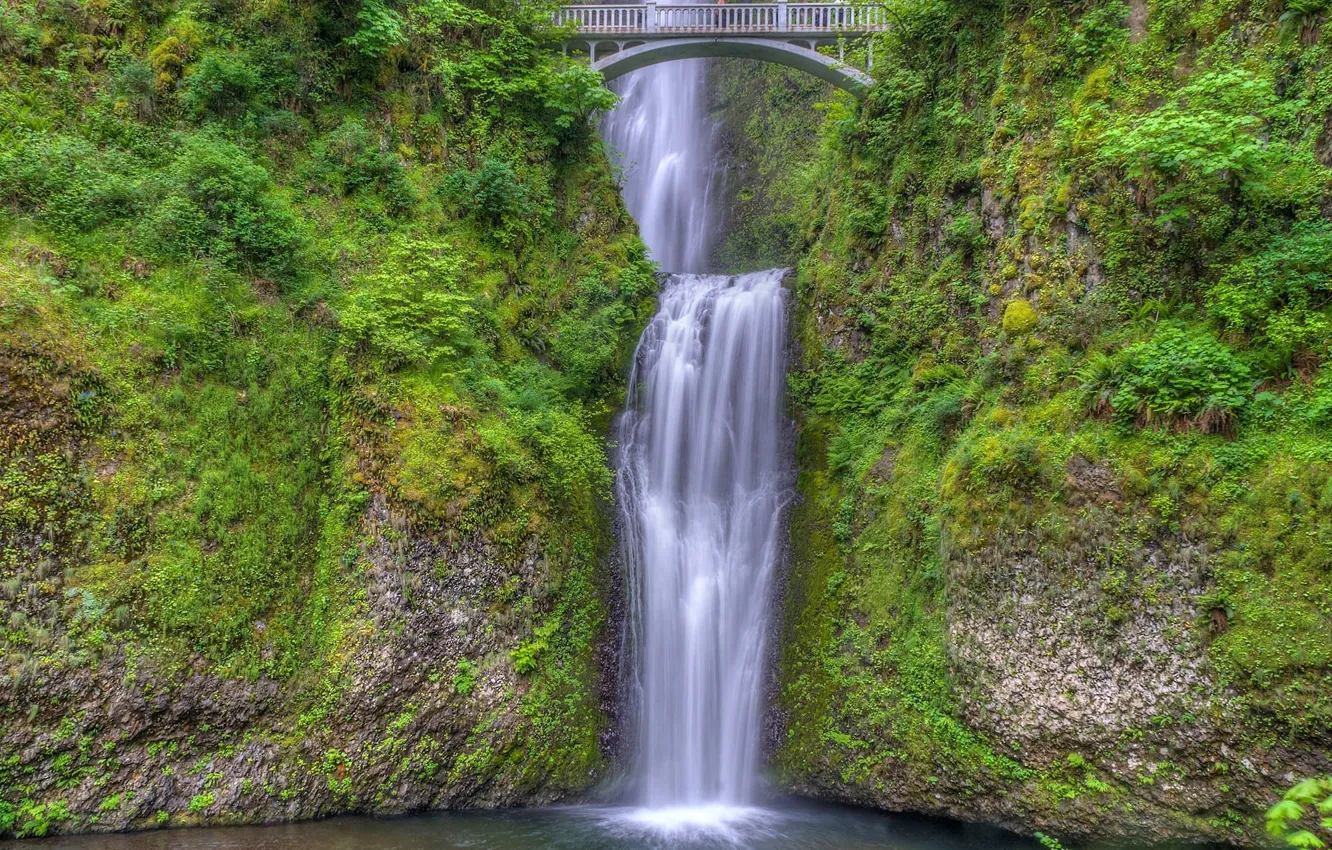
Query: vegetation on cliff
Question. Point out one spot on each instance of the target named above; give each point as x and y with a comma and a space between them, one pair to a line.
1064, 553
309, 312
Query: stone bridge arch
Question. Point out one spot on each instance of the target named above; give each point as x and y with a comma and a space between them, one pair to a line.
633, 55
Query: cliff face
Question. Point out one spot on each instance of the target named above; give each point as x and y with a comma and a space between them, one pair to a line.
311, 323
1061, 553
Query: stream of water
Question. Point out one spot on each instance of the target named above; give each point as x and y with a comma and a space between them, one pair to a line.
702, 483
702, 476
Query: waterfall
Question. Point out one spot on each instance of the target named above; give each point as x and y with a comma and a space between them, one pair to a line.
702, 484
702, 475
665, 144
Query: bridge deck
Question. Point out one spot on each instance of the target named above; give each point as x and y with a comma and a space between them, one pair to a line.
780, 19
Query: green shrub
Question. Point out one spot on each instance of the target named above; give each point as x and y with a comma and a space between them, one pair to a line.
350, 160
134, 82
218, 202
223, 84
589, 337
72, 185
1207, 139
1010, 458
1182, 375
1283, 293
413, 308
379, 30
570, 96
493, 197
1303, 814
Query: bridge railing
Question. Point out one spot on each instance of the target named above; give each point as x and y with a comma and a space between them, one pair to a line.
725, 18
605, 18
746, 17
835, 16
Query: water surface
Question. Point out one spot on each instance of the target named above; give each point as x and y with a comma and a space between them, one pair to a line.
792, 825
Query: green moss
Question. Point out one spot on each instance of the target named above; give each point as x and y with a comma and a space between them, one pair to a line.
1046, 167
1019, 317
255, 332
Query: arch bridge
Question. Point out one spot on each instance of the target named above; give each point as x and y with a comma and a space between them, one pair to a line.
624, 38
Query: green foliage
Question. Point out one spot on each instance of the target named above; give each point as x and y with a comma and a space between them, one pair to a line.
529, 652
494, 198
72, 184
1049, 842
590, 336
413, 308
464, 681
1152, 181
571, 96
218, 202
222, 84
1302, 810
1182, 375
350, 159
1282, 295
380, 30
235, 308
1207, 129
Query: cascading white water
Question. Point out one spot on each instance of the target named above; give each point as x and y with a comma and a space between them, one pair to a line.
702, 484
665, 144
702, 477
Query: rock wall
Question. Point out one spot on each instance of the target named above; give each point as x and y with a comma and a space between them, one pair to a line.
309, 344
1027, 587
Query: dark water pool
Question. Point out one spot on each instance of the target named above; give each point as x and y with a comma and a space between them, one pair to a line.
794, 825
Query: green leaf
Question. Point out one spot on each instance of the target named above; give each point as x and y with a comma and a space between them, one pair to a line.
1307, 791
1304, 838
1282, 813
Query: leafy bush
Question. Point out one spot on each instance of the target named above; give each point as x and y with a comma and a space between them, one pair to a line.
1182, 376
223, 84
1283, 293
220, 203
413, 309
573, 94
1013, 459
134, 83
350, 160
494, 197
464, 681
72, 185
379, 30
173, 53
1207, 138
1303, 809
589, 337
1302, 18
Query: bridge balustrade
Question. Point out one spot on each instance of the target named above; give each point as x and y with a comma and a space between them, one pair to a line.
780, 17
